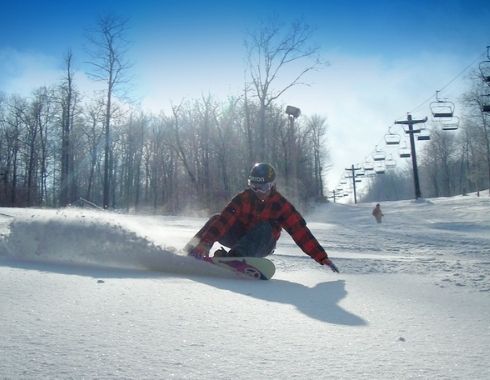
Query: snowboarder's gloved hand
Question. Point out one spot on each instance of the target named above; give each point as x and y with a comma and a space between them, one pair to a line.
327, 261
200, 250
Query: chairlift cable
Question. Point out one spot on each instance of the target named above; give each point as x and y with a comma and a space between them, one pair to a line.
449, 83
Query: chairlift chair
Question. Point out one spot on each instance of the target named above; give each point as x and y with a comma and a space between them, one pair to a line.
392, 139
441, 108
485, 103
447, 123
379, 155
404, 152
424, 135
368, 166
485, 71
485, 68
390, 163
451, 125
379, 168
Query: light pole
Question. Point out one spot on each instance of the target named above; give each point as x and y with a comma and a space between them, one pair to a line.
293, 113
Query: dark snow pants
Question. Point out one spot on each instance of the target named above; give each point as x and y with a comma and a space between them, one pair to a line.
255, 242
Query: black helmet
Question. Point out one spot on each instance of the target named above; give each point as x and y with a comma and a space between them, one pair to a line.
261, 173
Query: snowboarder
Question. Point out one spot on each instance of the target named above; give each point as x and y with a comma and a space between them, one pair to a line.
377, 213
251, 223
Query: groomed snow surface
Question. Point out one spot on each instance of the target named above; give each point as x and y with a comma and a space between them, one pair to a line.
93, 294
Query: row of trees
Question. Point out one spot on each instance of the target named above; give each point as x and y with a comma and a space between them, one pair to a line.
450, 163
58, 146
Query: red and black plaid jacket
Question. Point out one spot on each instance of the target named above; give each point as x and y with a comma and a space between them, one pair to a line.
246, 208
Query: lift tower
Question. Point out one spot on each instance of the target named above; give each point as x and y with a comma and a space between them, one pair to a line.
410, 122
353, 169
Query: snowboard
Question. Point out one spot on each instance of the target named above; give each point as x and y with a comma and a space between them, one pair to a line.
257, 268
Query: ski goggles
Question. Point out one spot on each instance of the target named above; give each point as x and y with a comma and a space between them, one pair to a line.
261, 187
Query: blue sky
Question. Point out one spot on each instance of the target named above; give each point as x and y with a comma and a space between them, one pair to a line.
386, 57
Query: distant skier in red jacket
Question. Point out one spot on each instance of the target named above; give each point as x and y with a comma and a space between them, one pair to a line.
251, 223
377, 213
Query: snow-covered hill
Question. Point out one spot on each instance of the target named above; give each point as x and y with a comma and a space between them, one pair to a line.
92, 294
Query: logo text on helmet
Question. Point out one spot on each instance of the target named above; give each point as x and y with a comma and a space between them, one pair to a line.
257, 179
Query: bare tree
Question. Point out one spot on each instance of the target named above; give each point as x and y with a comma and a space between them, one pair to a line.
43, 116
13, 125
438, 157
179, 144
270, 51
317, 129
67, 104
109, 64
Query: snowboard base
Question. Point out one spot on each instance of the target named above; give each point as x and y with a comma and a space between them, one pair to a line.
257, 268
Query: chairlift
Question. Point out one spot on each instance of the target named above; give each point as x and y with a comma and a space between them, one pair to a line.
485, 68
485, 103
358, 180
380, 170
404, 152
368, 166
379, 155
441, 108
424, 135
392, 138
485, 71
451, 125
446, 123
390, 163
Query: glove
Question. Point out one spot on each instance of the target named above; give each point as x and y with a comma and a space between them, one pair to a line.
327, 261
201, 250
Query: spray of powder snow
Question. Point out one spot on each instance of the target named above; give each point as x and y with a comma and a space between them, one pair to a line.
93, 238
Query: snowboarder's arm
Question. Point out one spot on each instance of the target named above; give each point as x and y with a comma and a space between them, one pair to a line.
295, 225
224, 222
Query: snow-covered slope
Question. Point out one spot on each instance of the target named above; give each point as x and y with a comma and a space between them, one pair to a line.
90, 294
